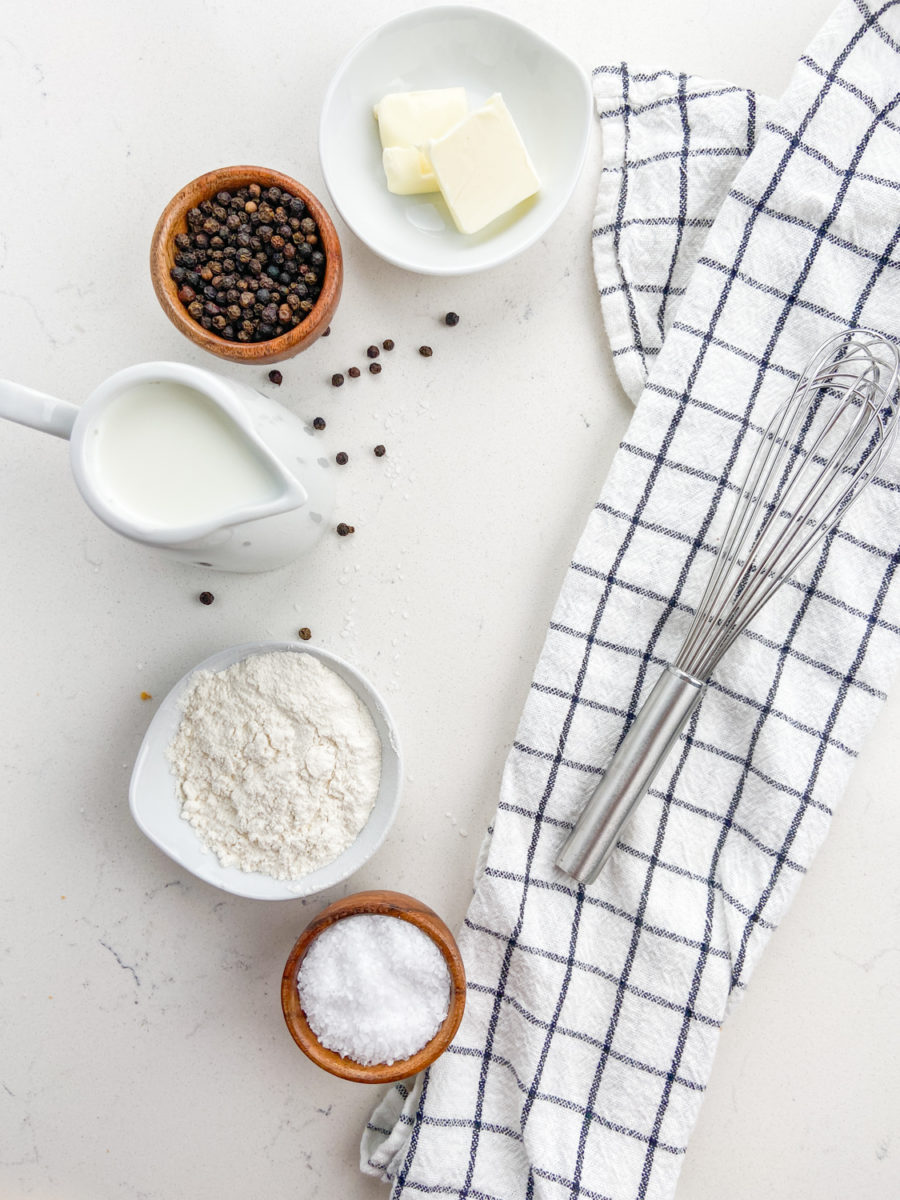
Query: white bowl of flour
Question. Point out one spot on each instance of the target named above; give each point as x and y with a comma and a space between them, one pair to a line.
269, 771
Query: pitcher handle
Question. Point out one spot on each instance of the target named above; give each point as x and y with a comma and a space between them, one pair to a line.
36, 409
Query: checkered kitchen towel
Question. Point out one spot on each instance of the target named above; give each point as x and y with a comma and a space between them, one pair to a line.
593, 1013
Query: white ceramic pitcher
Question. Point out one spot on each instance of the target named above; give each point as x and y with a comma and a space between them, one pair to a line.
249, 537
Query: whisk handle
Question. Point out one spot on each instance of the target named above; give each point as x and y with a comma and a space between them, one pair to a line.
634, 765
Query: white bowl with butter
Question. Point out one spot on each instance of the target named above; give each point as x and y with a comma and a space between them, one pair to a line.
546, 94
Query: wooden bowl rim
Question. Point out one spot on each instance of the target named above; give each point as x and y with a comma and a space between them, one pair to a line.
174, 215
387, 903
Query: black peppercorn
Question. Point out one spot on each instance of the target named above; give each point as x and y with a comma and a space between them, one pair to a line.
206, 597
388, 343
372, 351
379, 451
343, 529
451, 318
304, 633
375, 368
319, 423
353, 372
236, 242
341, 458
276, 377
337, 379
426, 351
327, 332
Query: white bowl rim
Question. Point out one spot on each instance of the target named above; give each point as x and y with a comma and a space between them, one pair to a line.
248, 883
553, 213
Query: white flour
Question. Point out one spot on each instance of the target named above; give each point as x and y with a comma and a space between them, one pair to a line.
278, 763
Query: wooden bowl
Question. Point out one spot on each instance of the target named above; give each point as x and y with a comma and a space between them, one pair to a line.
393, 904
162, 259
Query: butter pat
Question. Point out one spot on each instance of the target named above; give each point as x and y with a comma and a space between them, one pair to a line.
406, 121
413, 118
482, 166
407, 170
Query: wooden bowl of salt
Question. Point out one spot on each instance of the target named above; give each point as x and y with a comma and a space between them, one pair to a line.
371, 1001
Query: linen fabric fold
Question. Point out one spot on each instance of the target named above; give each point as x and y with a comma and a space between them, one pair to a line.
732, 236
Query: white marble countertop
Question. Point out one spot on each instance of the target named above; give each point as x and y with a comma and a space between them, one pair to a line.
143, 1050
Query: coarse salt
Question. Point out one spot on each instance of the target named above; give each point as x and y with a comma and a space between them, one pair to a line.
374, 988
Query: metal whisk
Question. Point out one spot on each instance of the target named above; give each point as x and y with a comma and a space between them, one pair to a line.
822, 447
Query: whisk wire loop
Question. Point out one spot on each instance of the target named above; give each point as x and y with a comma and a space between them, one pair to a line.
813, 459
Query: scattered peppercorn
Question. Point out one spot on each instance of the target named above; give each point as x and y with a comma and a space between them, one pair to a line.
304, 633
372, 352
451, 318
327, 332
379, 451
319, 423
375, 368
250, 251
343, 529
337, 379
426, 351
353, 372
341, 458
276, 377
206, 597
388, 343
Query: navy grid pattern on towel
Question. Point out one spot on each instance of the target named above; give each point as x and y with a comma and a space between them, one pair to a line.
672, 145
593, 1013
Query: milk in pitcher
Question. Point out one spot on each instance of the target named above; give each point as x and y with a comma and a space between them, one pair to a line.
169, 456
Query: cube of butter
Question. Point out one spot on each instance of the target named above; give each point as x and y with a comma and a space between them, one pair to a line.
412, 118
482, 166
406, 120
407, 170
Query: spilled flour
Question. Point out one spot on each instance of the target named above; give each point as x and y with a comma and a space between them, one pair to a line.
278, 763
